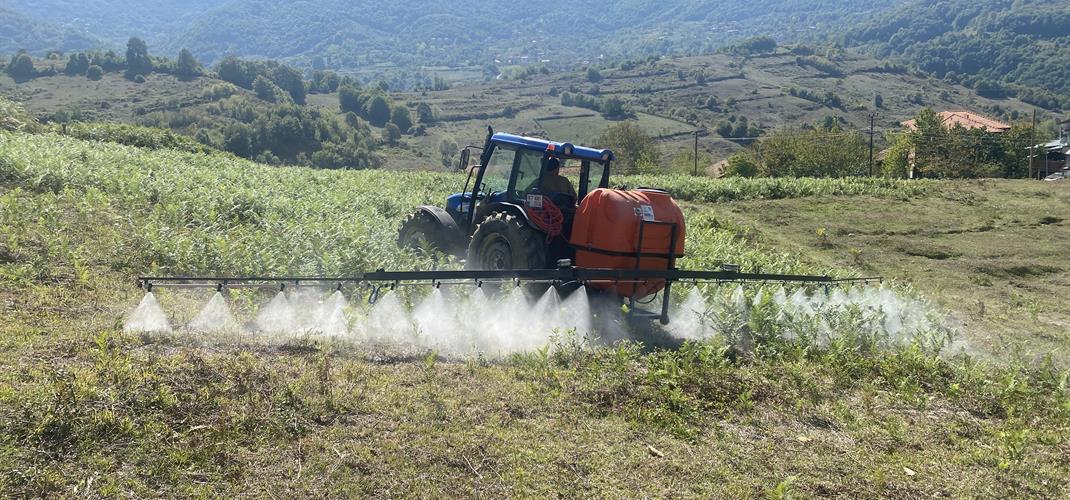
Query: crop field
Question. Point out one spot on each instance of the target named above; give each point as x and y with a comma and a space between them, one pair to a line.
89, 409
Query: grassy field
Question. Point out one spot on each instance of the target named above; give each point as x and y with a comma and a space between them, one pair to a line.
86, 409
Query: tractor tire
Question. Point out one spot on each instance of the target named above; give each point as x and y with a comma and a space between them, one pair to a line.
422, 234
505, 242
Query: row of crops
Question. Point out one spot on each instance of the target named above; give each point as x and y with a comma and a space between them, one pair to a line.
175, 212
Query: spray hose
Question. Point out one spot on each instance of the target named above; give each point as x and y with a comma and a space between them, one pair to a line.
548, 218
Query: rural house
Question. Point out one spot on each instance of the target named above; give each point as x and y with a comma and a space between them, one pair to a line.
965, 119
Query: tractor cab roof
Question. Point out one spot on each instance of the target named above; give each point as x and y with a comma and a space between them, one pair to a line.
557, 149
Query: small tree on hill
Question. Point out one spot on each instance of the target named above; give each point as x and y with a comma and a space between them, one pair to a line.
290, 80
94, 73
138, 61
77, 64
632, 146
21, 68
401, 117
593, 75
377, 111
187, 66
741, 165
391, 134
425, 113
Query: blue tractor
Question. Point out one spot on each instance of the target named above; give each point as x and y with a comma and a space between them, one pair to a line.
490, 223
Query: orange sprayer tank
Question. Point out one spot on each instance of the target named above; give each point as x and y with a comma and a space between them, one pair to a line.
607, 229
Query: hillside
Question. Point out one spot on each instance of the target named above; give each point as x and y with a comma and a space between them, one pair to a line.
670, 98
88, 408
999, 47
354, 34
18, 31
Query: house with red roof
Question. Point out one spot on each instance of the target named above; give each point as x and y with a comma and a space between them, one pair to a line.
966, 120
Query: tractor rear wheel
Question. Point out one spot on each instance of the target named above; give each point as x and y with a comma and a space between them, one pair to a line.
421, 233
505, 242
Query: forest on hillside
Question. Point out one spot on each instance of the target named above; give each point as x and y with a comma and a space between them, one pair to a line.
1000, 48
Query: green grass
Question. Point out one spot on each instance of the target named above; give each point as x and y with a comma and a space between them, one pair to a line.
88, 410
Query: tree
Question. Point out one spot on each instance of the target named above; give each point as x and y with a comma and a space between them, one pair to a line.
631, 145
238, 140
391, 134
138, 61
349, 99
21, 68
377, 111
878, 101
94, 73
290, 80
448, 149
401, 117
897, 158
613, 108
77, 64
187, 66
741, 165
266, 90
425, 113
593, 75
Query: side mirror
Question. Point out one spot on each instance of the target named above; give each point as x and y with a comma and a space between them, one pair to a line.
463, 162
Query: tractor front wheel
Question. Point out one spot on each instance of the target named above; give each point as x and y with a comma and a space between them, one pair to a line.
505, 242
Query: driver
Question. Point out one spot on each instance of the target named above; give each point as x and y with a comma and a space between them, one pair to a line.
554, 182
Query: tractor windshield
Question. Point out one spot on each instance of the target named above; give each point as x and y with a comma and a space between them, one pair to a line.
498, 170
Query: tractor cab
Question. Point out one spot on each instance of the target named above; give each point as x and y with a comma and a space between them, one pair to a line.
518, 205
513, 171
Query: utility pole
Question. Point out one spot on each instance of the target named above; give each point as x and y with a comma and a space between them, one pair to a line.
872, 123
695, 173
1033, 143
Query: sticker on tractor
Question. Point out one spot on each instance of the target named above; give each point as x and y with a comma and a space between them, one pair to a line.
535, 200
648, 213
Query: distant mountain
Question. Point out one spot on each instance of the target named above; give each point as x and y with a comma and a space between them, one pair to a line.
354, 33
999, 47
18, 31
351, 34
117, 20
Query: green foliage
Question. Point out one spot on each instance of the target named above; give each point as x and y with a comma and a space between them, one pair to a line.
94, 73
630, 144
447, 149
897, 159
377, 110
741, 165
812, 153
752, 46
21, 68
77, 64
401, 117
138, 61
391, 134
708, 190
425, 113
13, 117
999, 48
186, 66
244, 74
132, 135
266, 90
593, 75
958, 152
